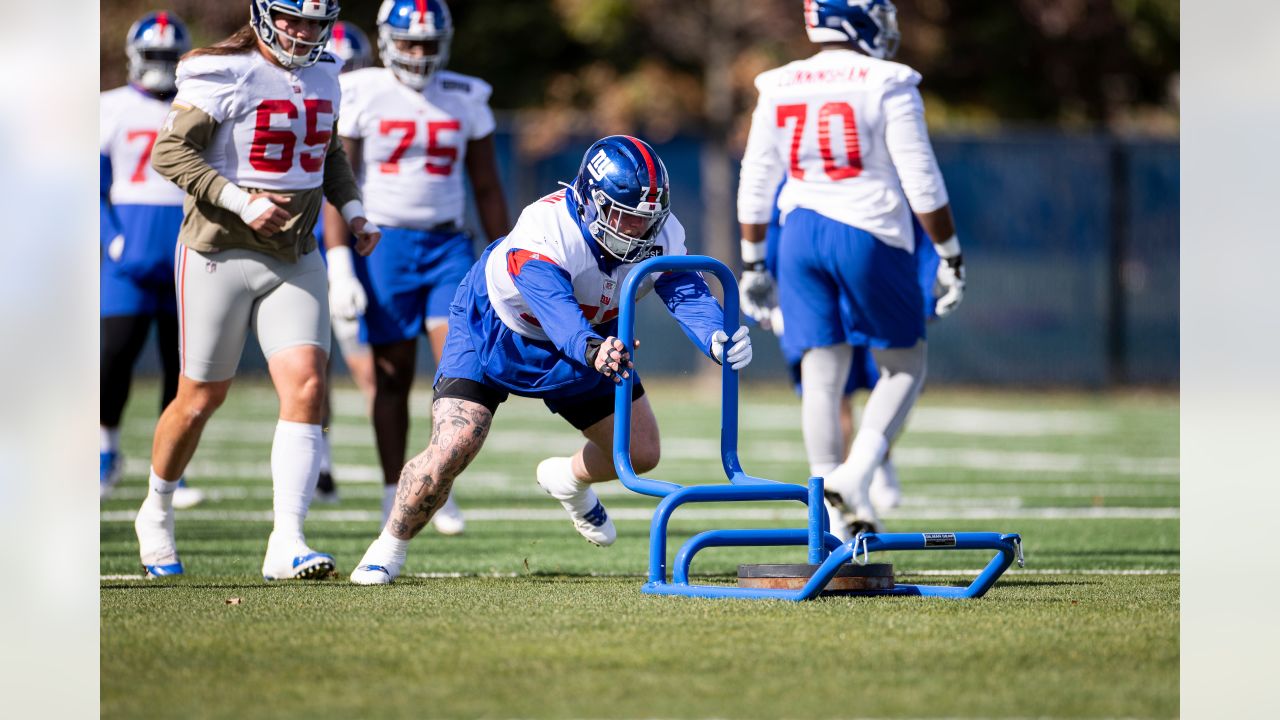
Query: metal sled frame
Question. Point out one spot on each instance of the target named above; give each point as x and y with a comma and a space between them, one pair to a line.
825, 549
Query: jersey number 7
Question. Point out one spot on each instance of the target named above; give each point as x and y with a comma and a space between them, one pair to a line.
826, 114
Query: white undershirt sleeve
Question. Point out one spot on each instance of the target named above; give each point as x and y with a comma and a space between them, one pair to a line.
907, 138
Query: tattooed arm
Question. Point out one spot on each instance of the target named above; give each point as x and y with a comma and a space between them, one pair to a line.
458, 431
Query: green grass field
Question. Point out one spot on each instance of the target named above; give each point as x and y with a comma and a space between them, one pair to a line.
519, 617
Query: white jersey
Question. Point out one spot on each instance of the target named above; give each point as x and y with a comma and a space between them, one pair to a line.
546, 231
414, 143
128, 123
274, 124
847, 132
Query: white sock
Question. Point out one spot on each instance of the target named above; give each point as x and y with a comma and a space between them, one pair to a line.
823, 372
388, 551
562, 481
295, 469
388, 501
326, 457
868, 451
108, 439
159, 493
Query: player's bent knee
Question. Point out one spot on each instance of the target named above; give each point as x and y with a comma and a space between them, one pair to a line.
645, 455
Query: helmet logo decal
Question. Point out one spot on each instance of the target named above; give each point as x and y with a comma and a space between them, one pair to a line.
599, 165
313, 7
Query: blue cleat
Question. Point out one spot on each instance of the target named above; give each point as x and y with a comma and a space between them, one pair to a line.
110, 468
302, 563
156, 571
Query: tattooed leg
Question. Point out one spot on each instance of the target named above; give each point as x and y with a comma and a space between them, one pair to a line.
458, 430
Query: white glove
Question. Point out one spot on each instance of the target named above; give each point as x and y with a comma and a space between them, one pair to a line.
115, 248
757, 296
739, 349
949, 287
756, 290
347, 300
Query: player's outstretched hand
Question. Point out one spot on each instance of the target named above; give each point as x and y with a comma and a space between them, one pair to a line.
949, 287
739, 347
757, 295
266, 213
610, 358
367, 235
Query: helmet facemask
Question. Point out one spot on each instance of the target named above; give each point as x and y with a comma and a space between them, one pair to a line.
411, 68
154, 70
622, 231
301, 53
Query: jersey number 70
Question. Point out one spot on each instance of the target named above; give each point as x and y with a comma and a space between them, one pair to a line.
826, 114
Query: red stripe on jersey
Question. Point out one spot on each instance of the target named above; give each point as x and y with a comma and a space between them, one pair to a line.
554, 197
650, 166
530, 319
517, 258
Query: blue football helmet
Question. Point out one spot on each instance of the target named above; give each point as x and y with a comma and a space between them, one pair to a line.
154, 45
870, 24
303, 53
623, 195
417, 21
351, 44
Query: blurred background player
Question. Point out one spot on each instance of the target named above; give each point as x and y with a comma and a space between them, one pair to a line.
140, 216
349, 43
846, 127
255, 110
886, 490
411, 128
537, 316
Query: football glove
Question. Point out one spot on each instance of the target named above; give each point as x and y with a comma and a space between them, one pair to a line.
949, 287
347, 299
757, 293
739, 355
609, 357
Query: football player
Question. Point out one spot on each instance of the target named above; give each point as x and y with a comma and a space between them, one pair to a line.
416, 134
255, 110
537, 316
348, 43
886, 490
140, 215
846, 127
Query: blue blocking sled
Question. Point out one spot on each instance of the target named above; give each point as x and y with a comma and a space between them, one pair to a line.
825, 550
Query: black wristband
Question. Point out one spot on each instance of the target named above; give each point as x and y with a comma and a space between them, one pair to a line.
954, 262
593, 349
757, 266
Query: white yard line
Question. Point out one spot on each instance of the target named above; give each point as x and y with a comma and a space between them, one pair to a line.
644, 514
912, 573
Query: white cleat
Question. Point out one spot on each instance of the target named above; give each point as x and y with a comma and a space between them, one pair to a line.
885, 492
589, 516
836, 522
377, 567
448, 519
373, 574
187, 497
850, 503
296, 561
157, 549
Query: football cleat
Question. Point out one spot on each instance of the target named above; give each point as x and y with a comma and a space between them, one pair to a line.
157, 549
156, 571
374, 575
186, 497
835, 519
588, 514
448, 519
110, 468
296, 562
